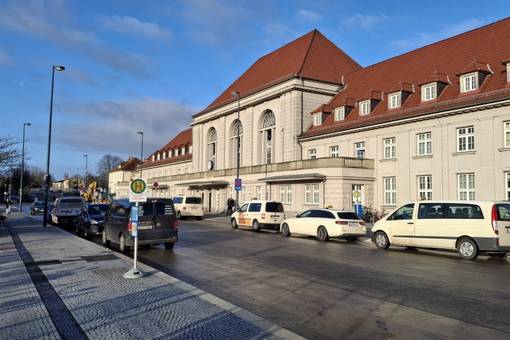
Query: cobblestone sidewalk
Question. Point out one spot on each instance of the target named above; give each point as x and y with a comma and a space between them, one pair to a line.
56, 285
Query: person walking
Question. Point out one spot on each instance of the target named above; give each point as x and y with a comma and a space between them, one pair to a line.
8, 207
230, 206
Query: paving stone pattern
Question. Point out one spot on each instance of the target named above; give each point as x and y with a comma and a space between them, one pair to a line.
88, 279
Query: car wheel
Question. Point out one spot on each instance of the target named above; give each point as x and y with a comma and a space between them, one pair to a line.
178, 215
256, 226
169, 245
285, 230
122, 244
233, 223
105, 240
381, 240
322, 234
467, 249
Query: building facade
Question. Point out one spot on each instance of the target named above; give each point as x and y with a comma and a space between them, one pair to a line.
314, 127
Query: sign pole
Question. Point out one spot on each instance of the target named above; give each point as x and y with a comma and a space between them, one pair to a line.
137, 194
135, 257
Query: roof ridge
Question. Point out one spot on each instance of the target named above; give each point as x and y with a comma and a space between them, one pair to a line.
307, 51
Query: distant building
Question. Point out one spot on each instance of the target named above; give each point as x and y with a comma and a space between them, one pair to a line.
120, 177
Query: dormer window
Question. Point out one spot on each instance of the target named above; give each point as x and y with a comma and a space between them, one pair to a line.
507, 71
317, 119
364, 108
394, 100
339, 113
468, 82
429, 92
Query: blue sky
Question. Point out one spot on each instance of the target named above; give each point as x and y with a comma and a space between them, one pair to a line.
149, 65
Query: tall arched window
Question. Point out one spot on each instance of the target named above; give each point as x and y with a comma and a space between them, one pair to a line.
267, 131
212, 139
236, 141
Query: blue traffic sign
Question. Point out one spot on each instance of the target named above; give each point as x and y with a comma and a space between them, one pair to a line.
238, 184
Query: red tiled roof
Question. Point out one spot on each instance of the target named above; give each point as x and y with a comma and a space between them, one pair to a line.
441, 61
183, 138
311, 56
129, 165
182, 158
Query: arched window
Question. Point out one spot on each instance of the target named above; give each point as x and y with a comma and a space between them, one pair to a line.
236, 141
267, 132
212, 139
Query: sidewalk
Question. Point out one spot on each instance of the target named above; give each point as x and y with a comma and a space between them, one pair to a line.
56, 285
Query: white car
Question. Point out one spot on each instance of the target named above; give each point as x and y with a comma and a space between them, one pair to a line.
259, 215
188, 206
325, 223
468, 227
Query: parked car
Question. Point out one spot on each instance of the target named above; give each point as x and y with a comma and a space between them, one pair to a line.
259, 215
157, 224
187, 206
37, 208
91, 220
66, 210
324, 224
468, 227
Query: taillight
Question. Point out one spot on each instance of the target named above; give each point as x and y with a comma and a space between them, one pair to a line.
361, 223
342, 222
176, 224
130, 226
494, 218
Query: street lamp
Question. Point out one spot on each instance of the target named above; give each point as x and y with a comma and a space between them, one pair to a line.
238, 161
86, 170
54, 68
141, 153
22, 169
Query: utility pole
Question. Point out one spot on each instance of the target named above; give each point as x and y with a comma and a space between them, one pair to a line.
22, 169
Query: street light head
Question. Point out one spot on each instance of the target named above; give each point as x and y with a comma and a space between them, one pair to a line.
59, 67
234, 94
28, 124
140, 132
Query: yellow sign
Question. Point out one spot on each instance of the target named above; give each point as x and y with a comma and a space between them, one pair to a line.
138, 186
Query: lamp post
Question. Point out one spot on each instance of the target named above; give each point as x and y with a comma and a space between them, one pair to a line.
22, 169
47, 184
86, 170
141, 153
238, 160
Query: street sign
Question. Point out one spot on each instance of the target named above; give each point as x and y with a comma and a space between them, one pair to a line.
238, 184
134, 221
138, 191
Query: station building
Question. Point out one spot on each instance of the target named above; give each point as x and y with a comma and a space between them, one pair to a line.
314, 127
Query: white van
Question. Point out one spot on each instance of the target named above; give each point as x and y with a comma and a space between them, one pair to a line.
259, 215
188, 206
468, 227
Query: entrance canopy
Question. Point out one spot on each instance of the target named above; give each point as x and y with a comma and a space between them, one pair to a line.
311, 177
205, 185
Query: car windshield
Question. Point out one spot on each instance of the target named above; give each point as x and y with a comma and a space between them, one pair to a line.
39, 204
348, 216
274, 207
177, 200
71, 202
193, 200
98, 210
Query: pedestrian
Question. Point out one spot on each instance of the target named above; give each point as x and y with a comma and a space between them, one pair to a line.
8, 206
230, 206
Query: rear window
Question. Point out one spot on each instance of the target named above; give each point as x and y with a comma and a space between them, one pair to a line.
503, 211
347, 216
98, 210
464, 211
193, 200
156, 208
274, 207
177, 200
255, 207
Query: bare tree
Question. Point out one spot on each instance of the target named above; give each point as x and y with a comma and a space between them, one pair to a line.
8, 152
106, 164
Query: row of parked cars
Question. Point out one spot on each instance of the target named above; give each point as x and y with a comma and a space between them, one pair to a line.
469, 228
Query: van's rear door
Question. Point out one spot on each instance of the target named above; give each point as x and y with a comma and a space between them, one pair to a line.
194, 204
275, 212
502, 220
156, 219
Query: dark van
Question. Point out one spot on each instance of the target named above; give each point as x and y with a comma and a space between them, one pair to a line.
157, 224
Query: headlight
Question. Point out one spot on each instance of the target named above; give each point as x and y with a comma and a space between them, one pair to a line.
94, 222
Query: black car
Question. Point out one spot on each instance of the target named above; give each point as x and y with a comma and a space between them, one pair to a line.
37, 208
91, 220
157, 224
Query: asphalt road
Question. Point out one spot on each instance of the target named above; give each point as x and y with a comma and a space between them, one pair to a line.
342, 290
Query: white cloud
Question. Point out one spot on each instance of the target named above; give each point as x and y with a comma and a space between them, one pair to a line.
309, 15
422, 39
52, 21
133, 26
365, 21
111, 126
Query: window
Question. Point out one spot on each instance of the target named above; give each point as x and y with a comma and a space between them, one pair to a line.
394, 100
506, 133
359, 149
236, 142
274, 207
244, 208
466, 187
403, 213
268, 128
428, 92
424, 143
507, 185
312, 153
317, 119
390, 190
312, 194
389, 145
364, 107
334, 151
429, 211
357, 194
347, 215
286, 194
257, 192
307, 213
255, 207
469, 82
340, 113
465, 138
211, 146
322, 214
193, 200
425, 188
464, 211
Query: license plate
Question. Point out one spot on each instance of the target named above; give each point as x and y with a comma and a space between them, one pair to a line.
145, 227
353, 224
